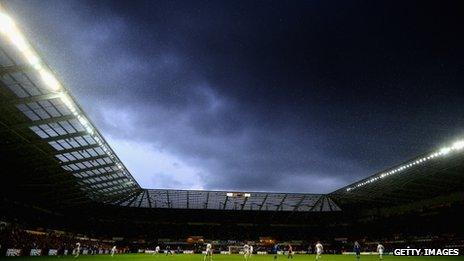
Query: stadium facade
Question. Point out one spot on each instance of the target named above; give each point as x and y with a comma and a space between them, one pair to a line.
58, 172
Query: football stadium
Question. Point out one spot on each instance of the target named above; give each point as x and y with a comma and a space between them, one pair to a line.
66, 194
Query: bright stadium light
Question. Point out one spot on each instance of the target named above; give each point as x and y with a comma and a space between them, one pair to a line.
69, 103
247, 195
445, 151
11, 32
229, 194
89, 130
83, 120
457, 146
6, 23
18, 40
49, 80
33, 59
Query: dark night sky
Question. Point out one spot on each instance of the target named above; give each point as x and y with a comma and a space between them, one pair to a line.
303, 96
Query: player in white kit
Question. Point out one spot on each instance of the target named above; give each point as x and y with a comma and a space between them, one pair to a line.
157, 250
209, 252
251, 250
319, 249
78, 249
246, 251
113, 250
380, 250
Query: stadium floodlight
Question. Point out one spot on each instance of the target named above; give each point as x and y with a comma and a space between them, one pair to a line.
445, 151
32, 59
89, 129
83, 120
247, 195
9, 29
11, 32
230, 194
87, 126
18, 40
69, 103
6, 23
49, 79
457, 146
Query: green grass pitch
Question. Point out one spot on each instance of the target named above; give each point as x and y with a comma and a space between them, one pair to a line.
187, 257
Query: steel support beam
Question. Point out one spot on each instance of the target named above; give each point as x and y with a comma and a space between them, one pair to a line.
44, 121
101, 175
244, 203
134, 198
282, 202
299, 203
315, 204
123, 199
95, 168
141, 198
167, 197
264, 201
66, 163
66, 136
36, 98
83, 148
10, 69
106, 181
149, 199
207, 200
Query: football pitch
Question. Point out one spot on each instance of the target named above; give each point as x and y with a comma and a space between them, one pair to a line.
197, 257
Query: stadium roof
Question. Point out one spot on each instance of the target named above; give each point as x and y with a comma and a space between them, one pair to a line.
221, 200
35, 100
47, 134
430, 175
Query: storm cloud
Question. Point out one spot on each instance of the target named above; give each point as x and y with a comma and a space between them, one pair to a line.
305, 96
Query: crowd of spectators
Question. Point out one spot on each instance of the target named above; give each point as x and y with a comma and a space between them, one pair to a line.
14, 237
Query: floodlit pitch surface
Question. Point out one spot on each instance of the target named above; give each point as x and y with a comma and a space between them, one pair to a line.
186, 257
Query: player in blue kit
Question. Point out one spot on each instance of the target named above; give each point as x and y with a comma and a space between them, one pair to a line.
275, 249
357, 250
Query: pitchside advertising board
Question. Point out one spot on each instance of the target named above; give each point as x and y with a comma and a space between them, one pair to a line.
35, 252
52, 252
13, 252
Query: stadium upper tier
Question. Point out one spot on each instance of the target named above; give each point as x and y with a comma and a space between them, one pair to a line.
54, 148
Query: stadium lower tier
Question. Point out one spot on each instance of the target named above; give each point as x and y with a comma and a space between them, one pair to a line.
16, 241
435, 223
